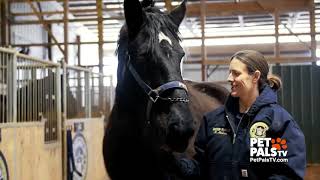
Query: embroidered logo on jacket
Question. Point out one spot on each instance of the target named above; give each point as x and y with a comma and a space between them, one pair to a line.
222, 131
258, 130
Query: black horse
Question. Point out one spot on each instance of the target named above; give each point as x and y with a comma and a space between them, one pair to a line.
155, 113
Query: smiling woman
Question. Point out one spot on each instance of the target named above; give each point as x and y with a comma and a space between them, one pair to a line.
249, 70
251, 114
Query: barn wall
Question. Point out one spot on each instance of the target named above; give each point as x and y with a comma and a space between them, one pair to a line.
300, 95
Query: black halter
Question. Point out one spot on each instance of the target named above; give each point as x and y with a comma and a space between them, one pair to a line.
155, 94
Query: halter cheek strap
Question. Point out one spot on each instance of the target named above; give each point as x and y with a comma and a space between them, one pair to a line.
155, 94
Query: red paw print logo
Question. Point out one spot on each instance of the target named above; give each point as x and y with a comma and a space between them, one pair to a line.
279, 144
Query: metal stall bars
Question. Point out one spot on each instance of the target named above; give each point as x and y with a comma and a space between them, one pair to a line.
109, 95
106, 94
38, 93
76, 92
7, 85
30, 91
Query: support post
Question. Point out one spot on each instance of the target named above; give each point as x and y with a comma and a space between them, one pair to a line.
79, 50
66, 31
49, 48
313, 33
168, 5
100, 44
63, 121
203, 47
4, 30
276, 32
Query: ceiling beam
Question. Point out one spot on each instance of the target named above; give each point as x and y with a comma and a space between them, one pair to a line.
57, 21
248, 35
14, 1
45, 25
221, 50
245, 8
234, 9
74, 11
55, 44
271, 60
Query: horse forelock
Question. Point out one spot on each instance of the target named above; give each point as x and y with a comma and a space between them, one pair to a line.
154, 23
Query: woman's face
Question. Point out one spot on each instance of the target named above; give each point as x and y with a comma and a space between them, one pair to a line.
242, 83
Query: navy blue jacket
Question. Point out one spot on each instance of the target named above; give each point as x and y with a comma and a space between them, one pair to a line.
224, 145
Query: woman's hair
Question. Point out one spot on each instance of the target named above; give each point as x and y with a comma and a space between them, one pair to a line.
256, 61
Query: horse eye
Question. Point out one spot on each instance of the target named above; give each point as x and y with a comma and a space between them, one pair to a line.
165, 43
163, 37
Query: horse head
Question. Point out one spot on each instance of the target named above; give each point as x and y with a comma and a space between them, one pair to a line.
150, 55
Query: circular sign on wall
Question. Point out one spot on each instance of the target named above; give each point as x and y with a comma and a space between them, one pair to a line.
80, 154
4, 173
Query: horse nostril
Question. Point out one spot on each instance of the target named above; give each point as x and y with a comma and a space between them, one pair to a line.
179, 135
181, 129
190, 131
174, 128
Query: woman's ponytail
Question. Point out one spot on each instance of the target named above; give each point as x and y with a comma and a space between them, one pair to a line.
274, 82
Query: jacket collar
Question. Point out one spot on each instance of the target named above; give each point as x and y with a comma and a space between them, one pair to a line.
267, 96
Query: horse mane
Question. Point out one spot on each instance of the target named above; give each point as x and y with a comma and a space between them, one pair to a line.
211, 89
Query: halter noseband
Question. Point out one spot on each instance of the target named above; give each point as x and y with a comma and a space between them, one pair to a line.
155, 94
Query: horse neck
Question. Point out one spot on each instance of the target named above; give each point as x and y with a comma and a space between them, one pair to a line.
130, 102
127, 87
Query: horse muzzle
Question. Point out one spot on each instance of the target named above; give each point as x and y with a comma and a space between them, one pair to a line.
179, 135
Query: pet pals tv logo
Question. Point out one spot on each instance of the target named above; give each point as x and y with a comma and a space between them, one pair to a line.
264, 149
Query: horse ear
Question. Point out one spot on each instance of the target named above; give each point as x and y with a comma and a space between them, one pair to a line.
134, 16
178, 13
147, 3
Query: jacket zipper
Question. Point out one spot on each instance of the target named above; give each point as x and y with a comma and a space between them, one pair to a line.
235, 132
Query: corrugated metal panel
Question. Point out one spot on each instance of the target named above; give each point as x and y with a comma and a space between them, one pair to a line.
305, 96
315, 95
300, 96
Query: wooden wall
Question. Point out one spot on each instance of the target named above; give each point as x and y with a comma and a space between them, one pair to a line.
93, 133
27, 156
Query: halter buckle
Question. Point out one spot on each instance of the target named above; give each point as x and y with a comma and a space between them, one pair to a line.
153, 96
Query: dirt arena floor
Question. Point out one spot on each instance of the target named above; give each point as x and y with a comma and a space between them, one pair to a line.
313, 172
